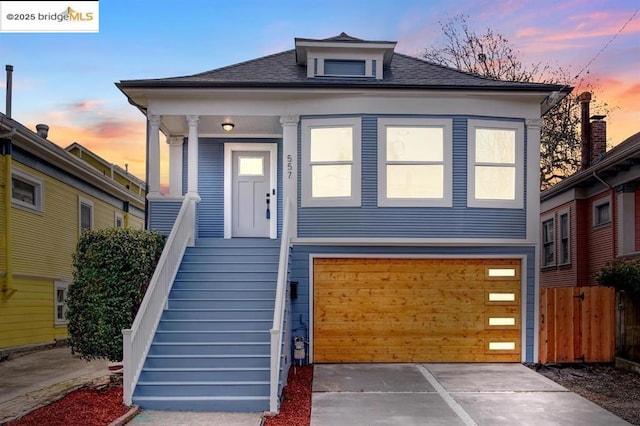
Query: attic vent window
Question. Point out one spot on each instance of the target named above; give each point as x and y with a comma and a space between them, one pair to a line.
343, 67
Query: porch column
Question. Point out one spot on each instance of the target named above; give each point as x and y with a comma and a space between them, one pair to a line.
175, 165
192, 155
290, 164
626, 214
154, 155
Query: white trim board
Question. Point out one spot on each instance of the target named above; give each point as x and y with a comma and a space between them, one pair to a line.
523, 289
273, 176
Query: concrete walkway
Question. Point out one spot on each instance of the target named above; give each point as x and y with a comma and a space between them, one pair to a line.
446, 394
37, 379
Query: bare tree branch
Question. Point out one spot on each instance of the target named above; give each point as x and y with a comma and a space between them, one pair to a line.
491, 55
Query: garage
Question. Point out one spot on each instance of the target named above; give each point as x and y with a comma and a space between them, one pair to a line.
416, 310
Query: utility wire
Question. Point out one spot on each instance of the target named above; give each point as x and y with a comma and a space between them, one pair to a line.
607, 44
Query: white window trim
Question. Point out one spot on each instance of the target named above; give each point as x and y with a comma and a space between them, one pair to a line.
518, 202
446, 200
39, 191
355, 199
88, 202
560, 214
56, 286
116, 216
594, 211
544, 219
318, 57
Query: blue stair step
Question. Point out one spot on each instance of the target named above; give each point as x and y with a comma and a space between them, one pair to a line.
221, 303
199, 348
213, 336
219, 374
239, 314
203, 388
211, 283
222, 293
202, 256
183, 325
208, 361
204, 266
246, 404
247, 275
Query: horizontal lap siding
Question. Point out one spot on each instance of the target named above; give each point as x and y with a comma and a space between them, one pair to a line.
300, 274
368, 220
162, 215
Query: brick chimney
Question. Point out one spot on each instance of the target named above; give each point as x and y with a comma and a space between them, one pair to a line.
598, 138
585, 130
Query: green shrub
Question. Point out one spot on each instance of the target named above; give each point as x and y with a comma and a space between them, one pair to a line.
623, 276
112, 269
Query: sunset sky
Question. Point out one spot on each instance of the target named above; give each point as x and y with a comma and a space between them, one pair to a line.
67, 80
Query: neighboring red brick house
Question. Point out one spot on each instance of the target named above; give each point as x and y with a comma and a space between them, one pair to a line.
592, 216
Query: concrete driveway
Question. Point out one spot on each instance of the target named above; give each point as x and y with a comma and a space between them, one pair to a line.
446, 394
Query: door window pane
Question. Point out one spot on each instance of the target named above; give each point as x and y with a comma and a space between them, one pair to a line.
250, 166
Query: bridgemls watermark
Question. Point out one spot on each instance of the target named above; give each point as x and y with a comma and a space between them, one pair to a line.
49, 17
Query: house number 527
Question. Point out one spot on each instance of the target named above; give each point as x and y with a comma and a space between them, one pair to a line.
289, 166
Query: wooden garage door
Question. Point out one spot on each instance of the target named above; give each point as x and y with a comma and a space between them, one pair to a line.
416, 310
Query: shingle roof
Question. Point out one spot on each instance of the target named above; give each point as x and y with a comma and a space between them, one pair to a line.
627, 150
281, 71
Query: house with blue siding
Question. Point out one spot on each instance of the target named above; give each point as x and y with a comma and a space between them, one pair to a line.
372, 206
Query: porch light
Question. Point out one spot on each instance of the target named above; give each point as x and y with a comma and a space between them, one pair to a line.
227, 127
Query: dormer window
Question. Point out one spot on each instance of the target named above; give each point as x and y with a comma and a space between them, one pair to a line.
344, 56
340, 67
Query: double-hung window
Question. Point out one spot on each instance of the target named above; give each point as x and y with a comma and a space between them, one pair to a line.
331, 162
548, 242
60, 299
602, 211
496, 164
85, 213
565, 240
26, 191
414, 162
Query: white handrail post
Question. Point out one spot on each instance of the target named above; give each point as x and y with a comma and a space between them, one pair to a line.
127, 374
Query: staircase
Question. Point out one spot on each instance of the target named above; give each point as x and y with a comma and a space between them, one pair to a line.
211, 351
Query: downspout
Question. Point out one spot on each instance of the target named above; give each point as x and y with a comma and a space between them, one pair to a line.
7, 285
614, 214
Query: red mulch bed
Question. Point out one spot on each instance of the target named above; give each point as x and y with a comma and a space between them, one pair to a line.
296, 401
86, 407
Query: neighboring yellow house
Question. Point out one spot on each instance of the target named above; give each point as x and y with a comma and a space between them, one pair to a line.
48, 197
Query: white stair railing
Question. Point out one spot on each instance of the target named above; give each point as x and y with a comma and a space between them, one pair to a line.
278, 312
137, 339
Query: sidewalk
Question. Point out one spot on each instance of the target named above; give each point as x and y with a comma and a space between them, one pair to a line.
34, 380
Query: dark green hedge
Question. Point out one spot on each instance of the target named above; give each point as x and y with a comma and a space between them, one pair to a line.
623, 276
112, 269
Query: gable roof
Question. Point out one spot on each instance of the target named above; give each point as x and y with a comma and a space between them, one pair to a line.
617, 159
280, 70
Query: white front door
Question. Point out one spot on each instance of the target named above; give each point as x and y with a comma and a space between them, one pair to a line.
253, 202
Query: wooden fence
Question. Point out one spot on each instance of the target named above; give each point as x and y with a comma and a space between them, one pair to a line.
577, 324
627, 329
